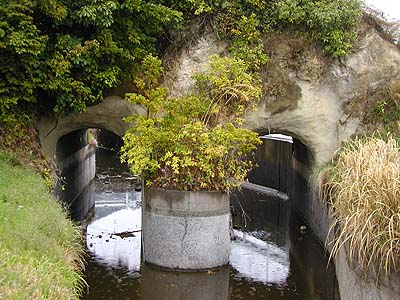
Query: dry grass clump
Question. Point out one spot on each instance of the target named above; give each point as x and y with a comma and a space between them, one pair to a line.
363, 187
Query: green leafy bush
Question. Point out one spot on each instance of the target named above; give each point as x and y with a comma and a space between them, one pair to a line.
62, 55
331, 22
193, 142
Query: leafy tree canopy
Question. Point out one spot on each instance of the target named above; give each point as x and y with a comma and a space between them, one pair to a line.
62, 54
65, 53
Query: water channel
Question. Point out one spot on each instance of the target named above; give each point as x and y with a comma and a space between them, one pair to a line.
273, 255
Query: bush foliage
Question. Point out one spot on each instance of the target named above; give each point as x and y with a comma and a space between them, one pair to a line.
193, 142
61, 55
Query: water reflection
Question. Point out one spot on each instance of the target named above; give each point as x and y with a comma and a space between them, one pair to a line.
270, 257
162, 285
259, 260
116, 237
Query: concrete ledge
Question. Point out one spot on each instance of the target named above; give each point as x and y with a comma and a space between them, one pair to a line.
186, 230
186, 201
356, 285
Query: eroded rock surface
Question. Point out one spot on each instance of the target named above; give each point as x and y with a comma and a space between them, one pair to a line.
304, 92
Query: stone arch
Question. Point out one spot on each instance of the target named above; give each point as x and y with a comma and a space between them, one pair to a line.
107, 115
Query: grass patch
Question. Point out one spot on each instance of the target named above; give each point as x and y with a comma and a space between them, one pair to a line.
40, 249
363, 187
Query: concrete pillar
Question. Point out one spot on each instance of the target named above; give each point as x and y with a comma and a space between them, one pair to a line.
161, 285
186, 230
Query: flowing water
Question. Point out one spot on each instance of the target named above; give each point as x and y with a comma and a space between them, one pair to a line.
273, 255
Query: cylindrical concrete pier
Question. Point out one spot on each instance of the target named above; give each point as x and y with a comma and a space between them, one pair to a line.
185, 230
161, 285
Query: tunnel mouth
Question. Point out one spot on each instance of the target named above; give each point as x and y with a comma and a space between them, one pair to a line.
76, 154
280, 159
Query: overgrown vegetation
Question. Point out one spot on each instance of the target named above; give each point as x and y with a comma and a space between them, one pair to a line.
40, 249
20, 140
61, 55
378, 109
385, 108
332, 23
193, 142
362, 185
388, 29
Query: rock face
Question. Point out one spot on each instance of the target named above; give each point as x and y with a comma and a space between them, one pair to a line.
312, 90
189, 61
305, 93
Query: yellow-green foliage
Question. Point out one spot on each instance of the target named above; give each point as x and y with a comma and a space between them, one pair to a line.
363, 187
39, 247
193, 142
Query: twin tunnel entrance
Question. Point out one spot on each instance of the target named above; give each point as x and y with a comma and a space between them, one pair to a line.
284, 164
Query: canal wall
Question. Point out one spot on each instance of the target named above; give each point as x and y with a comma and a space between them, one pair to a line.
75, 188
304, 195
354, 284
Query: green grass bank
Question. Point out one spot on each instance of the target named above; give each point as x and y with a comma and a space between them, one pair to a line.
40, 249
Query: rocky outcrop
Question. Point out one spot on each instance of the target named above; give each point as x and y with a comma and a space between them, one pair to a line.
305, 93
189, 61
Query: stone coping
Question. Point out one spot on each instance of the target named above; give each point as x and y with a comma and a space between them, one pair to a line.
192, 202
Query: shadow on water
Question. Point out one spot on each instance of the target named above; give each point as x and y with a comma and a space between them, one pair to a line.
272, 257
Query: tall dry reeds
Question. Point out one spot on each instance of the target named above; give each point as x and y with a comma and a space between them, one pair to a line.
363, 188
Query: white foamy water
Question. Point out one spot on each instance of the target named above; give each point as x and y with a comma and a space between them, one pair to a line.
259, 260
114, 250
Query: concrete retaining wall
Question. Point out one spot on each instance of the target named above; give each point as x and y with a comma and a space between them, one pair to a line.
75, 187
186, 230
356, 285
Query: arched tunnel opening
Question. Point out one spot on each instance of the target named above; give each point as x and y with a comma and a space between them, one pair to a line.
277, 205
284, 164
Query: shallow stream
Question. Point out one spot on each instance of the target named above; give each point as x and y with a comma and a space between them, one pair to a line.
274, 255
